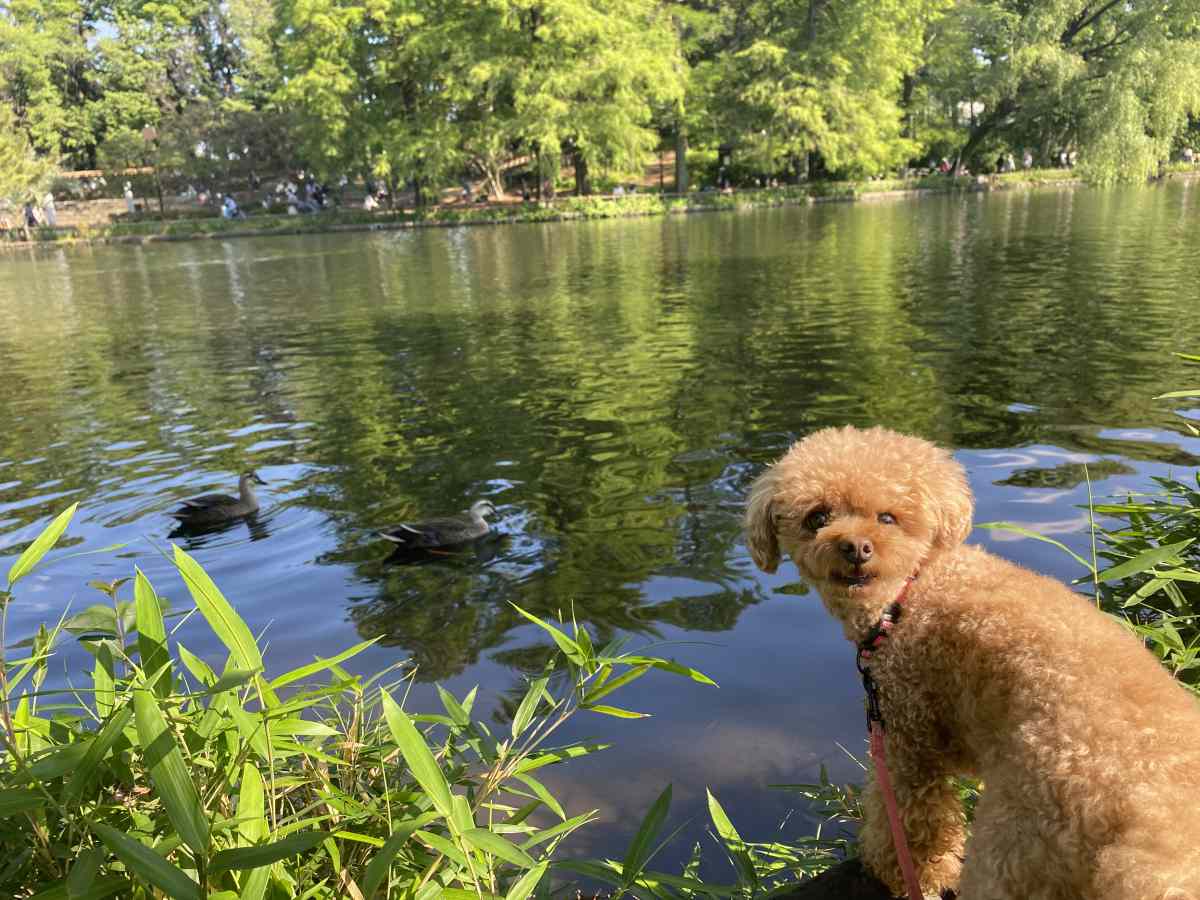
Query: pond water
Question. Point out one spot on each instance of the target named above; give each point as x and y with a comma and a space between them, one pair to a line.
613, 388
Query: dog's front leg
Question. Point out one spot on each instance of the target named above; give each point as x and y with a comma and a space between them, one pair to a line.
933, 822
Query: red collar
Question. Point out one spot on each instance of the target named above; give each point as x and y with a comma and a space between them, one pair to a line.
880, 630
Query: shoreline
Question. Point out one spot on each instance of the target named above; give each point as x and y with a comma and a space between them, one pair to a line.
566, 209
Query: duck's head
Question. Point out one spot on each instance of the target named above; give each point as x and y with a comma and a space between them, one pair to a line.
251, 476
483, 509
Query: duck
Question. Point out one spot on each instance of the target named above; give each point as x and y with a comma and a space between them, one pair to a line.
443, 531
210, 508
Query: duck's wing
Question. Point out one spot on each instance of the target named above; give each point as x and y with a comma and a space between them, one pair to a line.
206, 501
432, 532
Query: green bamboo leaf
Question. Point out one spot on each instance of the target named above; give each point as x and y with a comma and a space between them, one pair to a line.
542, 794
441, 845
58, 763
231, 679
416, 753
104, 681
1025, 532
251, 809
529, 705
642, 845
609, 686
250, 727
152, 633
460, 814
668, 665
220, 615
320, 665
169, 773
562, 828
254, 884
482, 839
200, 670
15, 801
146, 864
82, 876
525, 885
1173, 395
561, 754
377, 868
453, 708
266, 854
40, 546
616, 711
565, 644
98, 749
733, 843
99, 889
1144, 561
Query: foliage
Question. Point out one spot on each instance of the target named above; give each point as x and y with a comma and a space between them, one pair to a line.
22, 173
427, 92
1114, 81
169, 775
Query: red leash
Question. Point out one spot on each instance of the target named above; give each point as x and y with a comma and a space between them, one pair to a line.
884, 778
874, 639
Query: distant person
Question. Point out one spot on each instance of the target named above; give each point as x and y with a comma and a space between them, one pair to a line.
1062, 158
129, 198
230, 210
370, 204
31, 219
619, 191
1027, 160
1188, 155
49, 213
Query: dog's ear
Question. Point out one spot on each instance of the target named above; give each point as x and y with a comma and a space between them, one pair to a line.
953, 505
760, 522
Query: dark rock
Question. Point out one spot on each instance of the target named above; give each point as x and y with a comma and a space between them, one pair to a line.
845, 881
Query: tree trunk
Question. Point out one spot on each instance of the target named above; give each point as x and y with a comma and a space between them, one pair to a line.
681, 169
493, 178
814, 11
418, 192
583, 185
982, 129
906, 98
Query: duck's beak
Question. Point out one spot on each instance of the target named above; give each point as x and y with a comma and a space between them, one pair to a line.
257, 479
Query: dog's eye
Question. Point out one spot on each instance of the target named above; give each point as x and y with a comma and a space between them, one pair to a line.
816, 520
887, 519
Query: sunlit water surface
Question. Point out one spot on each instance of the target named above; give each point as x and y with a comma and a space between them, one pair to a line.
613, 388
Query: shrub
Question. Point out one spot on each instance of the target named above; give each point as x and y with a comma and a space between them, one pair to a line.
168, 775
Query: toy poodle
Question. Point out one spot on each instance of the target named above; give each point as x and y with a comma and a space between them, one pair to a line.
1088, 750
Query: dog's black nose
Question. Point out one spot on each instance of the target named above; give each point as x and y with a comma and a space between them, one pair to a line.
856, 550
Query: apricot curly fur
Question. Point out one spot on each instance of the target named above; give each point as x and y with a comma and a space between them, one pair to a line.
1089, 751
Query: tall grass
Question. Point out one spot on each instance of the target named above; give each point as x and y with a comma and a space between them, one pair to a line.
153, 774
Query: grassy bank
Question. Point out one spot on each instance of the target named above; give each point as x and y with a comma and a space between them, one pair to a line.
564, 209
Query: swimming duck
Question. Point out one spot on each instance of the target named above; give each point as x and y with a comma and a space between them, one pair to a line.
210, 508
444, 531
